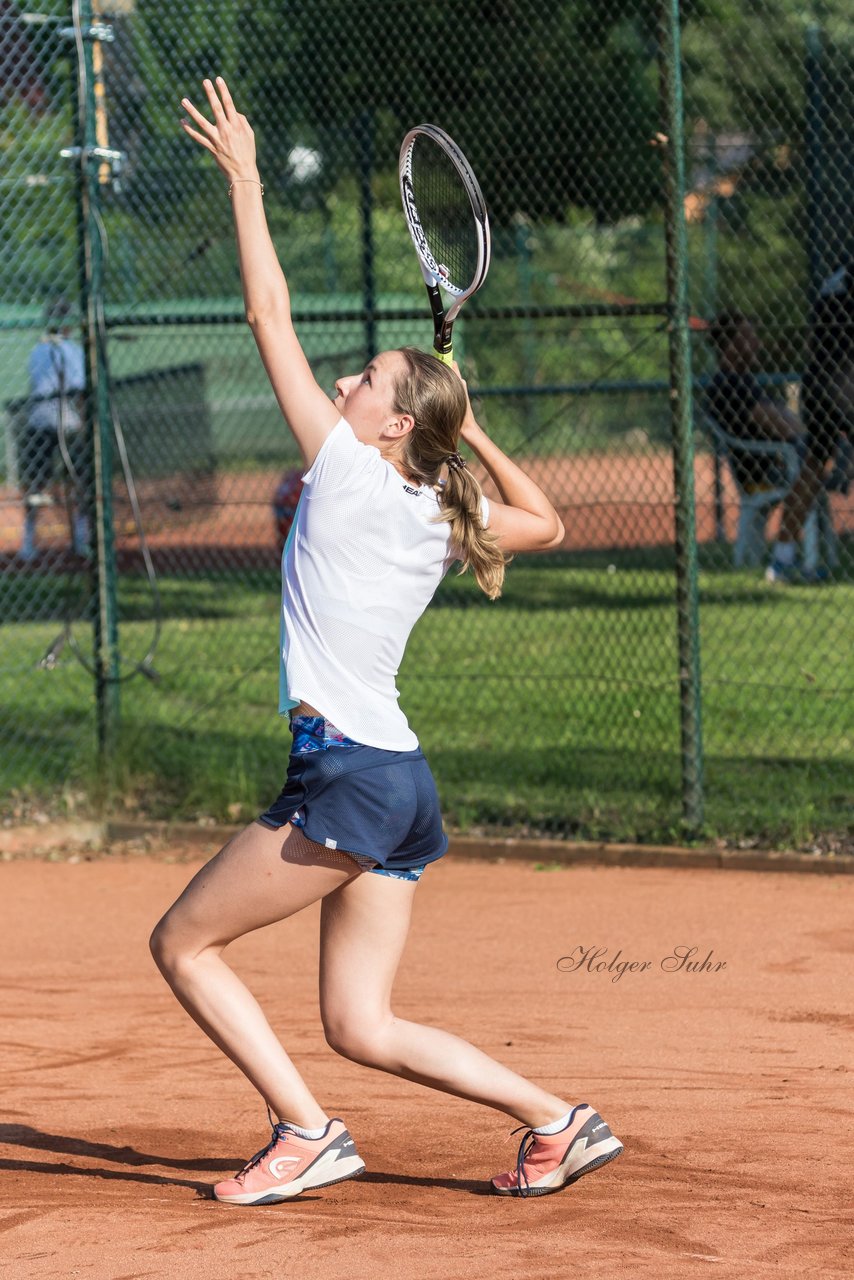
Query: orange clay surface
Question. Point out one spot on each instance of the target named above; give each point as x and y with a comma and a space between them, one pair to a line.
605, 500
731, 1088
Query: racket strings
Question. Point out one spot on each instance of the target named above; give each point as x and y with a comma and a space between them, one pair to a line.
445, 212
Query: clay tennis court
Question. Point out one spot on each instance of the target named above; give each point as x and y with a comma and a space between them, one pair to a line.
618, 501
731, 1087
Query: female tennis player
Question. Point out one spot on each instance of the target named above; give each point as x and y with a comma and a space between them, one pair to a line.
388, 505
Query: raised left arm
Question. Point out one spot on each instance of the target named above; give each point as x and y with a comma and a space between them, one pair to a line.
307, 409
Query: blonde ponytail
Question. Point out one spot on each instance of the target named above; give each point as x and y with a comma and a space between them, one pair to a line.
435, 398
476, 547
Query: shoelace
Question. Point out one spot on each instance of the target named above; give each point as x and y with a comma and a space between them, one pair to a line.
530, 1138
278, 1133
259, 1155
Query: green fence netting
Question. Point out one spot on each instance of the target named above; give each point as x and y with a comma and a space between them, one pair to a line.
665, 245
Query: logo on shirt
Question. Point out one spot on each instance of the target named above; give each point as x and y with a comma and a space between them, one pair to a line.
416, 493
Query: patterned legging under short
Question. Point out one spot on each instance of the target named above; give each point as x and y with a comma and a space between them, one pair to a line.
314, 733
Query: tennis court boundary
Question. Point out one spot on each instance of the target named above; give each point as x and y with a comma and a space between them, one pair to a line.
56, 839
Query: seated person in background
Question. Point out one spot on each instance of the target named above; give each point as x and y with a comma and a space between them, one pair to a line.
828, 402
738, 403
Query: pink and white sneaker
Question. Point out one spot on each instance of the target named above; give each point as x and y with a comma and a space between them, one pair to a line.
547, 1162
291, 1164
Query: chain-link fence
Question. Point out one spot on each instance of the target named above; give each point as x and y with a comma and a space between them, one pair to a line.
643, 679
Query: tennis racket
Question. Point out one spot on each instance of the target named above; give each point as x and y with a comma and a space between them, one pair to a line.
447, 219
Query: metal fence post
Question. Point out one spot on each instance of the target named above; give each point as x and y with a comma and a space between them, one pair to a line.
98, 417
815, 129
681, 420
366, 192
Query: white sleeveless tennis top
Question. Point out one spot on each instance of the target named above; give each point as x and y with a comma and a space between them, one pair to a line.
362, 562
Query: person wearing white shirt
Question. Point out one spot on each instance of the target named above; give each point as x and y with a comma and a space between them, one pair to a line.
57, 380
388, 506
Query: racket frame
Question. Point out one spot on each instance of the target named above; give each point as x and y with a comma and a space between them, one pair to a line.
434, 279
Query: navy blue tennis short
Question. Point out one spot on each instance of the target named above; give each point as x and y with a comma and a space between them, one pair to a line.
363, 800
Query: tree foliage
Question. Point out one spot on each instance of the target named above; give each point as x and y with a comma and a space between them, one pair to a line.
554, 102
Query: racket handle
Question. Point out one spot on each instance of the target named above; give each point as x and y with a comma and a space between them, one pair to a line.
447, 357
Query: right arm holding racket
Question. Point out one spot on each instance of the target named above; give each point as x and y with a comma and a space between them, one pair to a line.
308, 409
448, 221
524, 519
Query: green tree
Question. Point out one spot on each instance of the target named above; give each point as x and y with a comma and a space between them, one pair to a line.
554, 102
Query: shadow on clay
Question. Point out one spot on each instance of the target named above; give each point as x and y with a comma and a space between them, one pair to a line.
19, 1135
23, 1135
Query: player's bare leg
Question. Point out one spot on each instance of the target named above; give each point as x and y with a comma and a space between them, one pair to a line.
260, 877
364, 925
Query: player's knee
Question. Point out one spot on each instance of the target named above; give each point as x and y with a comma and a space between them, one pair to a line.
338, 1035
157, 943
356, 1038
164, 947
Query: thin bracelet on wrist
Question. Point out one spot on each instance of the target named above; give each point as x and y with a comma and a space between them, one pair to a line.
257, 182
